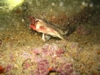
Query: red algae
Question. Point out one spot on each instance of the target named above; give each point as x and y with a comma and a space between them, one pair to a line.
1, 69
82, 30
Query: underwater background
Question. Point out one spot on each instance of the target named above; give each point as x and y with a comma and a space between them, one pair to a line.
49, 37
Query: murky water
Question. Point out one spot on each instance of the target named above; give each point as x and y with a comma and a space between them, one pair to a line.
23, 50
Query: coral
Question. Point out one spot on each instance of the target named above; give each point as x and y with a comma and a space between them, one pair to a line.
9, 67
42, 68
51, 58
40, 60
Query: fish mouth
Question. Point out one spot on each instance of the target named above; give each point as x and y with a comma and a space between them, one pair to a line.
34, 21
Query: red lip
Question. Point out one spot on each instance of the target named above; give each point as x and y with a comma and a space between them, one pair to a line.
33, 27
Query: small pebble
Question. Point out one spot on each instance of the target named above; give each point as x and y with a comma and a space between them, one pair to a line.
53, 4
61, 3
84, 4
23, 20
91, 5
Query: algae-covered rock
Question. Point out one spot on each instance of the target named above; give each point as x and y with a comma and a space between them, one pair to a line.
8, 5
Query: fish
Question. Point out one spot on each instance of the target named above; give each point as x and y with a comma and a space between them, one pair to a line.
43, 27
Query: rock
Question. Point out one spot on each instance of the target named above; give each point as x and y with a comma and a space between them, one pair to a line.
82, 30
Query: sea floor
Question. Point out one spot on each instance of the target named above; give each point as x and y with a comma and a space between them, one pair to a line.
20, 47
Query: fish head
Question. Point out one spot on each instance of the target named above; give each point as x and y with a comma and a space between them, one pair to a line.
33, 23
37, 24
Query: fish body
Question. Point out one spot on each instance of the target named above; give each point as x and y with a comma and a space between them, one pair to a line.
43, 27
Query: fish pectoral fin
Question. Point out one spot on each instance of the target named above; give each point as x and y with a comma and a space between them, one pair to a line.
60, 37
47, 37
43, 37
